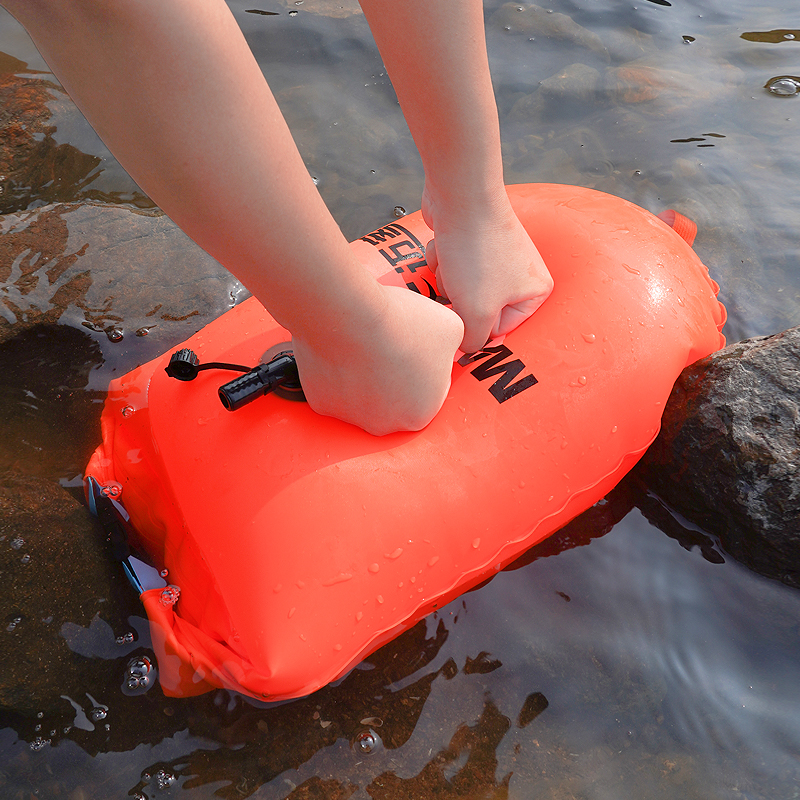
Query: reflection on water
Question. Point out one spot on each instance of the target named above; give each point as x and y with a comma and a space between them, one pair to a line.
628, 656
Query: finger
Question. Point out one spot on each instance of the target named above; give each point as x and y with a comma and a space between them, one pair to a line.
477, 333
432, 260
512, 317
430, 256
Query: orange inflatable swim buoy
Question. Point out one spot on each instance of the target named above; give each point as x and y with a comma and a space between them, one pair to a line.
300, 543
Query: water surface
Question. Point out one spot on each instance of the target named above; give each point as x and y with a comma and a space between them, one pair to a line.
632, 664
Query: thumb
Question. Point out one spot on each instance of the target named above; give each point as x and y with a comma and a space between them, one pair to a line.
432, 260
513, 316
430, 256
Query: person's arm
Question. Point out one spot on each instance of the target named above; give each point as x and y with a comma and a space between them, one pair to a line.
435, 53
174, 91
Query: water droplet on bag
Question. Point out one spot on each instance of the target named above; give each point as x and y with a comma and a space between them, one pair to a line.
127, 411
292, 13
164, 573
688, 39
170, 595
399, 211
17, 543
98, 713
115, 335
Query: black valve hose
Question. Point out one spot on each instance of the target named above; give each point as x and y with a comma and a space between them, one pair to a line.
281, 372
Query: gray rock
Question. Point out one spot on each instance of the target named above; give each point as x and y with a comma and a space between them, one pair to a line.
728, 455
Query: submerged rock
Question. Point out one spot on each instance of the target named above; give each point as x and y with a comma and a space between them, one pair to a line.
532, 20
728, 455
54, 571
119, 273
35, 167
339, 10
50, 418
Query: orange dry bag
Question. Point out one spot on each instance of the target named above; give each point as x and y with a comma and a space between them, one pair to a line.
300, 543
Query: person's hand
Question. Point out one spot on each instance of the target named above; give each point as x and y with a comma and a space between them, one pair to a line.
394, 376
489, 269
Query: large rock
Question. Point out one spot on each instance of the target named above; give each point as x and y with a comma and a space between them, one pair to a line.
728, 455
87, 292
129, 275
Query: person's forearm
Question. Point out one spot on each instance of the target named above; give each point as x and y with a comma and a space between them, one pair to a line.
176, 94
435, 53
484, 260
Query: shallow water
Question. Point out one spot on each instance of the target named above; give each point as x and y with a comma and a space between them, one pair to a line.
636, 663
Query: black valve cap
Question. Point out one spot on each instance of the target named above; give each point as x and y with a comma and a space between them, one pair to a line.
183, 365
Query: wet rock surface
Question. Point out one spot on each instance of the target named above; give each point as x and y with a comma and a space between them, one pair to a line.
35, 167
49, 418
129, 277
54, 571
728, 455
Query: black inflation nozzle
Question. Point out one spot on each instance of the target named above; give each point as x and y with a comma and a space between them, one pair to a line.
279, 374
